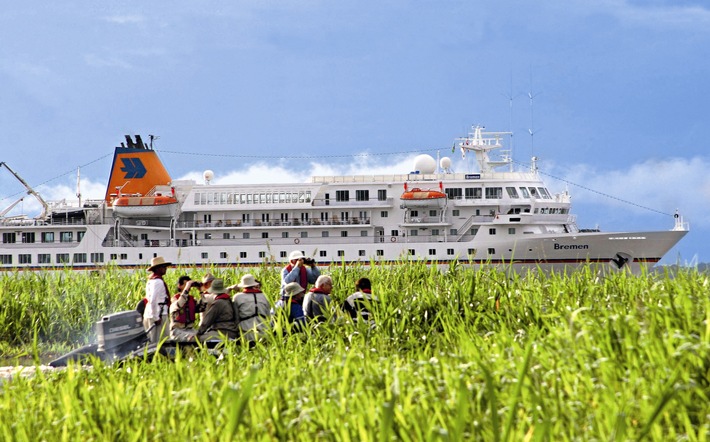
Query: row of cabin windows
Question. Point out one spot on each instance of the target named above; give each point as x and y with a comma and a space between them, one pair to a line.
45, 237
343, 234
59, 258
496, 192
223, 198
304, 196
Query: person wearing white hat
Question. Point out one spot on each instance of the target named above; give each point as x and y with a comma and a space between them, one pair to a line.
155, 316
251, 308
300, 269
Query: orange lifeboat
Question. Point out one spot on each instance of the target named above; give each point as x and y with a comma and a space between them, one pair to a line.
154, 206
417, 197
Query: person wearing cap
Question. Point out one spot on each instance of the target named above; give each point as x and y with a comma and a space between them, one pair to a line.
251, 308
183, 310
205, 286
293, 300
359, 304
317, 300
218, 319
300, 269
155, 316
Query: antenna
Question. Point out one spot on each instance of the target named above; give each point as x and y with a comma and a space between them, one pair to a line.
532, 117
78, 184
152, 137
510, 98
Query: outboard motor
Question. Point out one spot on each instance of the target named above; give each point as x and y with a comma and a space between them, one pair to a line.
120, 331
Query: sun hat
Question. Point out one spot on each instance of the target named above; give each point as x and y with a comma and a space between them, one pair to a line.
217, 287
158, 261
209, 277
293, 289
296, 254
248, 280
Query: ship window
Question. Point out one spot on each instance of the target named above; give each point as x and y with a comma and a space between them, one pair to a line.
413, 232
362, 195
454, 232
283, 254
412, 252
204, 255
432, 251
262, 254
323, 254
511, 230
28, 237
491, 251
450, 252
472, 252
304, 234
414, 213
533, 192
44, 258
47, 236
383, 214
207, 236
494, 193
124, 255
545, 194
380, 252
284, 234
325, 234
363, 232
434, 232
245, 235
242, 255
361, 253
341, 253
222, 255
203, 198
324, 216
344, 215
342, 195
512, 192
225, 235
453, 193
9, 238
80, 236
455, 212
5, 259
79, 258
474, 231
264, 234
66, 236
249, 198
25, 258
524, 192
473, 193
308, 196
432, 213
382, 195
343, 233
492, 231
394, 233
97, 257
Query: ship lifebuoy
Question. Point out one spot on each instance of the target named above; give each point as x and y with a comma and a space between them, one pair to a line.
393, 239
296, 241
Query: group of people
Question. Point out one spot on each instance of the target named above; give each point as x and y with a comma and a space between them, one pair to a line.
247, 313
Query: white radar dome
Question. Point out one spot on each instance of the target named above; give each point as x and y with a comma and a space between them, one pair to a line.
425, 164
445, 163
208, 175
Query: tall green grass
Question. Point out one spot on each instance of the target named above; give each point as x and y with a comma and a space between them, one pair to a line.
572, 357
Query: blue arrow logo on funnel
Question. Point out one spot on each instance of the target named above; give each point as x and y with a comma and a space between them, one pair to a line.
133, 167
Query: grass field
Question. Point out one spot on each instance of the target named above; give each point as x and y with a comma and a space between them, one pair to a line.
563, 358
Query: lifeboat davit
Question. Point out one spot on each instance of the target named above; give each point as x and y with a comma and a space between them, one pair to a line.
417, 197
157, 206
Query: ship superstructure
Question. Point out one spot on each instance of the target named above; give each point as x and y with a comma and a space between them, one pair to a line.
495, 216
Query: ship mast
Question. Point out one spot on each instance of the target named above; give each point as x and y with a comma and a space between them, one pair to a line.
481, 143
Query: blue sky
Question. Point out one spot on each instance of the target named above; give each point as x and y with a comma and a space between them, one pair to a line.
621, 97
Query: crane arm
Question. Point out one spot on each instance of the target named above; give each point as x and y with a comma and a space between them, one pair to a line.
30, 191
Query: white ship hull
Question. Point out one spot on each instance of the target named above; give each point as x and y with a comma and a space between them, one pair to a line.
503, 219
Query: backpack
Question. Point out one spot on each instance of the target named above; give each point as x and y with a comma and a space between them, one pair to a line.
140, 307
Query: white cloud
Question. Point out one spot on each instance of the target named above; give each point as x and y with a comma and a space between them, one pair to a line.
656, 15
125, 19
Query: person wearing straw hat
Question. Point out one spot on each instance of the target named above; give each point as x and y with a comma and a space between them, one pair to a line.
251, 308
292, 299
183, 310
155, 316
218, 320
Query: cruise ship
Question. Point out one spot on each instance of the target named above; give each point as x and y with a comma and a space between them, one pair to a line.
493, 216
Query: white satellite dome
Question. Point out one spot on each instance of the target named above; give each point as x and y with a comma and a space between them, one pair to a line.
208, 175
445, 163
425, 164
